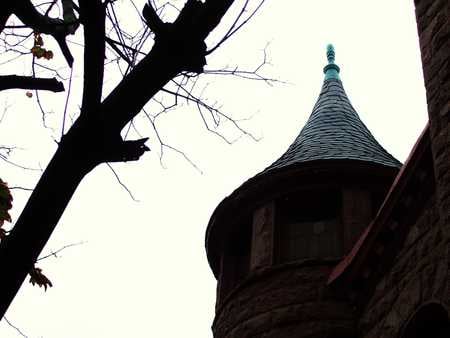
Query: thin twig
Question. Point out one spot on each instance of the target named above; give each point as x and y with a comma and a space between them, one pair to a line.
38, 100
54, 253
121, 183
20, 188
235, 28
18, 165
67, 102
164, 145
15, 327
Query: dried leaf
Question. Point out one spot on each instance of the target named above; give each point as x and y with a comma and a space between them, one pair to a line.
2, 234
37, 277
38, 39
48, 54
37, 49
5, 203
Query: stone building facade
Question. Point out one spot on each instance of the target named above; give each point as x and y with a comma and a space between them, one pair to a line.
337, 238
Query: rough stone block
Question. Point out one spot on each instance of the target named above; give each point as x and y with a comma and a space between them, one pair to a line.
422, 7
262, 240
440, 280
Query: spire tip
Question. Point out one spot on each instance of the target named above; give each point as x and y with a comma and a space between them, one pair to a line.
331, 70
330, 53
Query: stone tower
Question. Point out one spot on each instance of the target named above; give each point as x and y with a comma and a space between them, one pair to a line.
273, 242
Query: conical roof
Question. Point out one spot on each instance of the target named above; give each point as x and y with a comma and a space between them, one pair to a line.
334, 129
334, 141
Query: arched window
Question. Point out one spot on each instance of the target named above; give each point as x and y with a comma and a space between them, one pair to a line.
430, 321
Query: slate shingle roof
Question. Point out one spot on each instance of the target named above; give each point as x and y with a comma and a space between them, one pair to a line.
334, 131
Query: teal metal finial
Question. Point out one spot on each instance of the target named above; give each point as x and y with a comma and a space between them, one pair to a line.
330, 53
331, 70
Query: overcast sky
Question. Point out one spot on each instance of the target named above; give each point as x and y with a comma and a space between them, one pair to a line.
142, 271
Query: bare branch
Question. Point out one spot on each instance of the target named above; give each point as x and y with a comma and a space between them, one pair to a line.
5, 12
214, 112
59, 29
152, 19
66, 103
55, 253
124, 151
20, 188
176, 52
92, 14
164, 145
15, 327
28, 82
2, 157
235, 26
113, 45
38, 99
120, 182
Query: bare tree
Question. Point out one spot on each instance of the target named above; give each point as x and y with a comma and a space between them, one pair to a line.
162, 56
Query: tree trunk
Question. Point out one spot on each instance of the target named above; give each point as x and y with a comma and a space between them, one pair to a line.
19, 251
95, 137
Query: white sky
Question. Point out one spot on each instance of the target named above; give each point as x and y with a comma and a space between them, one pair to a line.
143, 270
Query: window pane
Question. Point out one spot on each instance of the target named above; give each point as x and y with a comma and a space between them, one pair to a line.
308, 240
307, 226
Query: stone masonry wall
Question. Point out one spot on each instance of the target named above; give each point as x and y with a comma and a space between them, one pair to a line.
433, 23
418, 276
284, 301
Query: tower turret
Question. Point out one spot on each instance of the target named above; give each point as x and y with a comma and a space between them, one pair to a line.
272, 243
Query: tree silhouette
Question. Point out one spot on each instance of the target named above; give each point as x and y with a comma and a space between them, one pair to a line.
176, 54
